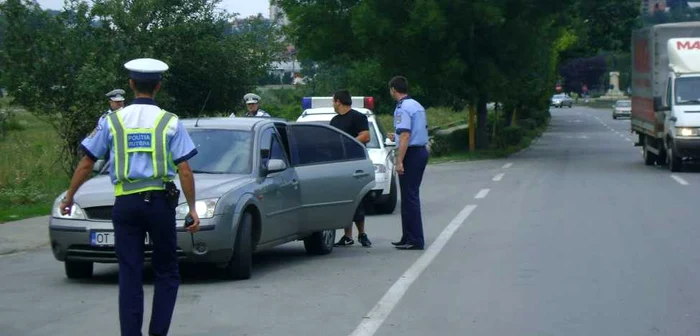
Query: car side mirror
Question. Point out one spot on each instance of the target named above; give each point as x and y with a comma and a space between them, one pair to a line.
389, 143
275, 165
659, 105
99, 164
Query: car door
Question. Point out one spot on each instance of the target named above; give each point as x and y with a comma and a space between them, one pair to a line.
280, 196
333, 169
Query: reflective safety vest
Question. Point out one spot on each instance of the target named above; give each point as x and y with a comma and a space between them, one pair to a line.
153, 141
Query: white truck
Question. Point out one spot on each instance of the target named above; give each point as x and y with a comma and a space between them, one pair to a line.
380, 148
666, 92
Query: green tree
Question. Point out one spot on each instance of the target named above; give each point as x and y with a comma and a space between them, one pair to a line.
60, 66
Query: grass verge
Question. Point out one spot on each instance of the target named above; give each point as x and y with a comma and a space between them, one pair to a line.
492, 153
437, 116
30, 172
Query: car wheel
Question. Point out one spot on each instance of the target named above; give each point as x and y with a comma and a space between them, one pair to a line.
675, 163
78, 269
240, 266
614, 117
320, 242
388, 205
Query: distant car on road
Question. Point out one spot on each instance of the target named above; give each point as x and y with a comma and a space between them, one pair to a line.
380, 147
562, 99
260, 182
622, 108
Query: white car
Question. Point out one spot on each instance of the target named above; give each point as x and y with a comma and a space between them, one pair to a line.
380, 148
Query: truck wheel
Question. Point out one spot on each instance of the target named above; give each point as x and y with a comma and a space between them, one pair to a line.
320, 242
649, 157
240, 266
675, 164
78, 269
388, 205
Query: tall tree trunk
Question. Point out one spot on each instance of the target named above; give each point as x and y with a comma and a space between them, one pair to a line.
482, 132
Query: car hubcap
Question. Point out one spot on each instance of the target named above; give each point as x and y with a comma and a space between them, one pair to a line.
328, 237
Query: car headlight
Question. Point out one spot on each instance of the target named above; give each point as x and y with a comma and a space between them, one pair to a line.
687, 131
76, 212
205, 208
379, 168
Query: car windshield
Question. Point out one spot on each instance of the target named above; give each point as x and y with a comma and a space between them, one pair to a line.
221, 151
623, 104
559, 96
688, 91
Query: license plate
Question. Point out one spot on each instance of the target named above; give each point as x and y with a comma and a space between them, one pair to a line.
106, 238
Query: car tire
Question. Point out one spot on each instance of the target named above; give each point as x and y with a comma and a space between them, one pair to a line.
240, 266
78, 269
320, 242
388, 205
675, 163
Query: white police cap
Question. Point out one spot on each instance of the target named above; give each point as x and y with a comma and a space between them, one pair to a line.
251, 98
116, 95
146, 68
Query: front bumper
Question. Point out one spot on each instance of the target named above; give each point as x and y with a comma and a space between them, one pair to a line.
71, 240
686, 147
620, 113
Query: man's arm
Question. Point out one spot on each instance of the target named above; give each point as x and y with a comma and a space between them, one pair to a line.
187, 182
402, 122
81, 174
183, 149
403, 145
94, 146
363, 128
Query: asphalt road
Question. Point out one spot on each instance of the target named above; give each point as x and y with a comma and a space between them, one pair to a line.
574, 236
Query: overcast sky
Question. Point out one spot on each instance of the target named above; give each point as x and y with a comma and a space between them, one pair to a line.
243, 7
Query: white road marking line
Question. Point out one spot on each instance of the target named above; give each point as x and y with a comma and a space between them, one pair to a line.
482, 193
507, 165
498, 177
374, 319
679, 180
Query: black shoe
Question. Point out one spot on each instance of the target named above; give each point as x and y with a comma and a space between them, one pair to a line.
409, 247
398, 243
345, 241
364, 240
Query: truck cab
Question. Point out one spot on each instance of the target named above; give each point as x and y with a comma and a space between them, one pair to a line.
680, 103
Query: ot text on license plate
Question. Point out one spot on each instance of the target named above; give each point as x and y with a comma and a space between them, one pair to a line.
106, 238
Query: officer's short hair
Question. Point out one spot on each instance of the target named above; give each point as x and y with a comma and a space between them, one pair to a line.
343, 96
145, 86
399, 83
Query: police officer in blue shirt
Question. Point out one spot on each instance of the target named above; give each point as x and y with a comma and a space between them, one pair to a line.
148, 146
411, 158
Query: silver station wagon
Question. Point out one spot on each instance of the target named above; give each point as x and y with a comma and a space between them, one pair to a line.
260, 183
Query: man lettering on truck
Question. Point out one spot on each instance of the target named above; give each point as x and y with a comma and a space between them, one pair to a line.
356, 125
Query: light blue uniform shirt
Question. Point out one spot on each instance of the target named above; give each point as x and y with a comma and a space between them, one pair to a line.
409, 116
141, 113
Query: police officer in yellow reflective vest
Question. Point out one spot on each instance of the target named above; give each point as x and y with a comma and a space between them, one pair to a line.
148, 147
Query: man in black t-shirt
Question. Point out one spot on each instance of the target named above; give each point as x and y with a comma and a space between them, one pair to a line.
356, 125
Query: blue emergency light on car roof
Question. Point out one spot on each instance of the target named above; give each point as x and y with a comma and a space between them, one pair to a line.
315, 102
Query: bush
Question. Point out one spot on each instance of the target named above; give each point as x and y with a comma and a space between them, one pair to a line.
446, 143
509, 136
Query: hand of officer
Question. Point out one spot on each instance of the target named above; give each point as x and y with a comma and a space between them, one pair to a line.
194, 227
391, 136
399, 168
66, 206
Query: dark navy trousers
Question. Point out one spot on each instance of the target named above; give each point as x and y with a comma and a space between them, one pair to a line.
133, 217
414, 163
